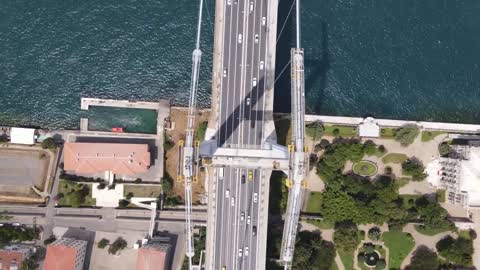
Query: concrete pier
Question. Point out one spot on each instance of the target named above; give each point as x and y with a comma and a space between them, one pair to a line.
390, 123
87, 102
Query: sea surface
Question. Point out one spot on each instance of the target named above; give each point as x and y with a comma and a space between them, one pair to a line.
401, 59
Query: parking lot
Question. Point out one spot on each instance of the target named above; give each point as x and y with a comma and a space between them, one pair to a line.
20, 169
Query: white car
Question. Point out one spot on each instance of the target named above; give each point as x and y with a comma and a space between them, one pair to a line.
248, 101
262, 65
242, 216
264, 20
224, 72
255, 197
246, 251
256, 38
240, 252
229, 2
227, 193
239, 38
233, 201
251, 6
248, 219
254, 82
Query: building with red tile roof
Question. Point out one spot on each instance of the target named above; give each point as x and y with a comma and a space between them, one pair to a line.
115, 158
65, 254
12, 257
153, 256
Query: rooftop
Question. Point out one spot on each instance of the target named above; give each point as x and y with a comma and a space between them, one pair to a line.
10, 259
91, 158
153, 257
60, 258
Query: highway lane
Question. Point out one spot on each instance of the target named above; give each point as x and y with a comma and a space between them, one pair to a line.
240, 126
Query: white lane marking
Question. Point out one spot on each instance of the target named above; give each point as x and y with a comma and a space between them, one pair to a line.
267, 43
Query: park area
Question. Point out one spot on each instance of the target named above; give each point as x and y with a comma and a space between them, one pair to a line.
75, 194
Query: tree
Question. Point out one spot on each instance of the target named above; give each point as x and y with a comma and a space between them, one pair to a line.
370, 148
49, 240
49, 143
414, 167
101, 186
432, 214
345, 236
118, 245
374, 233
322, 145
312, 252
458, 251
77, 198
103, 243
29, 264
138, 181
382, 149
406, 134
424, 259
444, 149
336, 132
129, 196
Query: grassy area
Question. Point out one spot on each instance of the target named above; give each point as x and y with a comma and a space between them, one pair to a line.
400, 245
441, 195
322, 224
334, 266
394, 158
149, 191
314, 204
69, 188
347, 259
364, 168
200, 132
430, 232
314, 130
386, 133
343, 131
430, 135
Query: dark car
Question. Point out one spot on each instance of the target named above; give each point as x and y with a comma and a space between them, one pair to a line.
254, 230
243, 178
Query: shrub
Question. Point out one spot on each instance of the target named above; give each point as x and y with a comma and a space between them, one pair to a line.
444, 149
424, 259
473, 234
382, 149
370, 148
380, 264
138, 181
314, 130
406, 134
322, 145
49, 240
346, 237
49, 143
129, 196
369, 248
388, 170
103, 243
123, 203
117, 245
101, 186
374, 233
336, 132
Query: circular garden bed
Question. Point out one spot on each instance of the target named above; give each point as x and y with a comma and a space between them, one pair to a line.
365, 168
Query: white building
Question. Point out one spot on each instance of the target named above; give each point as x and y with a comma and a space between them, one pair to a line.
369, 128
22, 136
459, 175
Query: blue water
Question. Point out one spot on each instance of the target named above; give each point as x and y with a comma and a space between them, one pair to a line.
397, 59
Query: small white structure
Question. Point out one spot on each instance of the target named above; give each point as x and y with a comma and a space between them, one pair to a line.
22, 136
107, 197
369, 128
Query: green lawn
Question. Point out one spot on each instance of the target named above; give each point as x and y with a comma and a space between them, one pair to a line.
430, 232
402, 181
334, 266
399, 245
386, 133
314, 204
441, 195
430, 135
364, 168
347, 259
314, 130
145, 191
200, 132
67, 187
343, 131
464, 233
394, 158
322, 224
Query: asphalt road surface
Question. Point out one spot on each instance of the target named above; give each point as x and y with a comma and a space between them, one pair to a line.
241, 114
